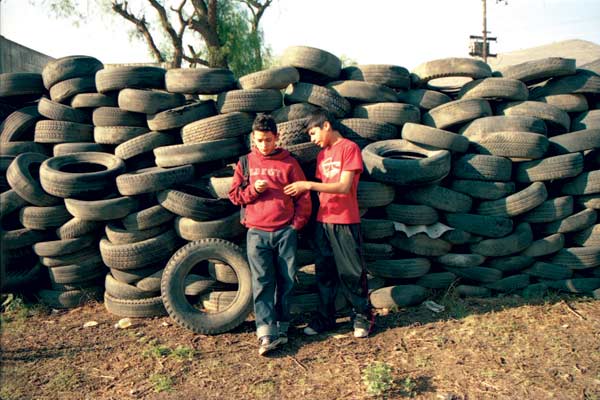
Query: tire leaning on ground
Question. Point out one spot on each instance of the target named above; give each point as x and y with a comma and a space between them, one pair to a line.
179, 266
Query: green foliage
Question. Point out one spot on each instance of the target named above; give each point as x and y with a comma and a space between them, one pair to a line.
378, 379
161, 383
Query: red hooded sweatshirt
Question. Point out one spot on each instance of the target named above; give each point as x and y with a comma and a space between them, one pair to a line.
272, 209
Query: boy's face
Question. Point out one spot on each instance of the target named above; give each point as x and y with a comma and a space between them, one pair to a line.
320, 136
265, 141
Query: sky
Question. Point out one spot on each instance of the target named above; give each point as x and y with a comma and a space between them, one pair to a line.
399, 32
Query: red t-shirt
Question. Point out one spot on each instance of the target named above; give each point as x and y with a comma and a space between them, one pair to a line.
339, 208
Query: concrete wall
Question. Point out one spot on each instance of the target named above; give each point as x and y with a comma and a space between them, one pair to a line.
17, 58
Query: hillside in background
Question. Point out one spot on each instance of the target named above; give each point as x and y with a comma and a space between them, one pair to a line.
581, 50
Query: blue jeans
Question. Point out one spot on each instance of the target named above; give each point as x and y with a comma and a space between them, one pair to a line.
272, 259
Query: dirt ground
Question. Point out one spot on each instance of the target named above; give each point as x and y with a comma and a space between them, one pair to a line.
476, 349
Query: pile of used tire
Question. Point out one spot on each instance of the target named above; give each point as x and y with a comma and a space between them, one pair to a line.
478, 179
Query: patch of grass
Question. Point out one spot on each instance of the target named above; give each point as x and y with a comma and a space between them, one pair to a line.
378, 378
11, 391
408, 387
161, 383
182, 353
157, 351
265, 389
64, 381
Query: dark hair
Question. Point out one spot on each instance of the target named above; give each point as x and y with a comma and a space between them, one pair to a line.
264, 123
318, 117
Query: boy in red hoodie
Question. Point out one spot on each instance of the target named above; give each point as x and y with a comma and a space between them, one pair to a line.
338, 242
273, 219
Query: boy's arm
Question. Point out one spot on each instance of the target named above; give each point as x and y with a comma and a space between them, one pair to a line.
238, 195
302, 203
342, 187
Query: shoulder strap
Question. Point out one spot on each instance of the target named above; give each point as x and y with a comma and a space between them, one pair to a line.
245, 172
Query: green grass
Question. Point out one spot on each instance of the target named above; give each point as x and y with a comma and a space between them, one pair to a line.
378, 379
65, 380
161, 383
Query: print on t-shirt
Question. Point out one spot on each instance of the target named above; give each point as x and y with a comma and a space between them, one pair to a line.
330, 168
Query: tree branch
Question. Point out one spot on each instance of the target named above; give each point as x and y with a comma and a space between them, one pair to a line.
140, 23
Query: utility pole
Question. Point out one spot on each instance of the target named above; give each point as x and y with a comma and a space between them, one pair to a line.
480, 44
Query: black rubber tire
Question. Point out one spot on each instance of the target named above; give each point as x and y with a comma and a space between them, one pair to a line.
587, 237
55, 248
153, 179
510, 283
249, 100
117, 234
477, 274
421, 244
148, 101
451, 67
63, 91
312, 59
546, 246
132, 276
440, 198
273, 78
556, 119
16, 148
75, 227
456, 112
102, 210
21, 84
538, 70
142, 308
494, 89
550, 210
122, 77
461, 260
576, 285
48, 131
18, 125
180, 116
423, 98
182, 154
63, 149
549, 168
10, 201
292, 112
147, 218
436, 280
438, 138
405, 268
173, 291
504, 123
571, 103
320, 96
482, 167
76, 273
21, 237
93, 100
114, 116
81, 256
573, 223
69, 67
139, 254
516, 242
60, 112
383, 161
473, 291
126, 291
482, 225
393, 113
375, 229
292, 132
586, 120
584, 183
144, 143
42, 218
515, 204
59, 299
583, 81
514, 145
587, 139
398, 296
115, 135
223, 126
411, 214
374, 194
393, 76
483, 190
363, 92
189, 201
360, 128
225, 228
199, 80
57, 179
23, 177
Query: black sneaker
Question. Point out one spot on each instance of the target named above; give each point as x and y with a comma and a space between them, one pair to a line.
317, 325
267, 343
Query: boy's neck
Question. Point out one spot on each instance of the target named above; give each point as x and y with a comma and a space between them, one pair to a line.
336, 137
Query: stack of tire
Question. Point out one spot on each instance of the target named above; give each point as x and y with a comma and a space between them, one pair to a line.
506, 159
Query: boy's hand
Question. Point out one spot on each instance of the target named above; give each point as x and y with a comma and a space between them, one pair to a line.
296, 188
260, 185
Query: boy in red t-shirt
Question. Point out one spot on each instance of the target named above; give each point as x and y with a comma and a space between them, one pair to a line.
338, 241
273, 220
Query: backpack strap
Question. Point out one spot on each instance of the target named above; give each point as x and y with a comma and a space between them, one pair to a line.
245, 170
